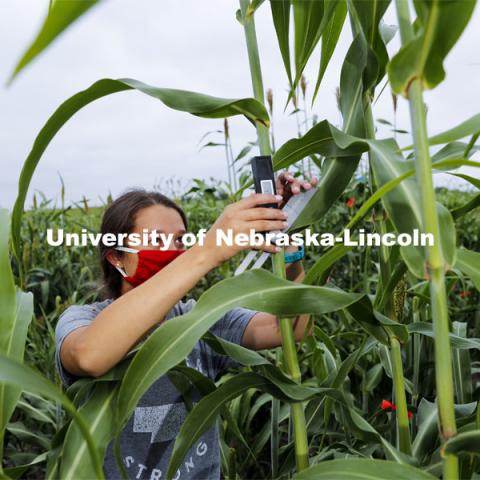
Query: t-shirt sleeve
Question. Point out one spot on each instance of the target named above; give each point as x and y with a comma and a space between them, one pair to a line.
73, 317
230, 327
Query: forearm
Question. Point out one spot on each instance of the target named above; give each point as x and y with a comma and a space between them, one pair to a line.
121, 325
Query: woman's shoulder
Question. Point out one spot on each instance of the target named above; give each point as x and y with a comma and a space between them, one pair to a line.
82, 312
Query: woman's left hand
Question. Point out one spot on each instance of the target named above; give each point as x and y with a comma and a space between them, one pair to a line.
287, 185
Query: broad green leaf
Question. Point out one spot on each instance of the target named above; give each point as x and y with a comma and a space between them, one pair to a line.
373, 377
337, 172
387, 290
462, 372
368, 15
310, 20
17, 472
7, 286
466, 128
281, 21
52, 470
174, 339
97, 412
195, 103
469, 263
206, 386
338, 377
60, 16
360, 468
403, 204
466, 442
329, 40
240, 354
427, 434
452, 151
427, 421
9, 394
292, 391
375, 323
474, 181
323, 264
319, 270
439, 25
25, 378
24, 434
462, 343
16, 311
352, 87
365, 431
464, 209
324, 139
204, 412
36, 412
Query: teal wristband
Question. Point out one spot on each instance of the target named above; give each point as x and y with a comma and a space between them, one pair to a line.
291, 257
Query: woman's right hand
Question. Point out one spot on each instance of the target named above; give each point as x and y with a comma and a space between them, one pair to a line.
241, 217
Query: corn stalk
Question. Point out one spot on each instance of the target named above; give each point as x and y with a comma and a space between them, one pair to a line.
435, 264
286, 329
403, 428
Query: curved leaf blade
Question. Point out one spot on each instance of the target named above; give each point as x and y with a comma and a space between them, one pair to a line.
440, 24
174, 339
469, 263
195, 103
16, 312
359, 468
97, 411
310, 20
465, 442
329, 41
25, 378
464, 129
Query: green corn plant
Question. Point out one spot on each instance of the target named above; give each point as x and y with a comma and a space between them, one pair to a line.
17, 311
365, 19
286, 329
424, 59
358, 341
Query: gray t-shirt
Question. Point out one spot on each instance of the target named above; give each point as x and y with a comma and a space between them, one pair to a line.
148, 438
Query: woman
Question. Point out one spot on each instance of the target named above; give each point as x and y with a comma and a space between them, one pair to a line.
145, 287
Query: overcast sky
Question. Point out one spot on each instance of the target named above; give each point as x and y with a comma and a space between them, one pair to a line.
129, 139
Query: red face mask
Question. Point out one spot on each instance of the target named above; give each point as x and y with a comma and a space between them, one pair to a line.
149, 263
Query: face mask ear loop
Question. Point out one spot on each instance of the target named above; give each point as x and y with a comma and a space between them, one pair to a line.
124, 249
122, 272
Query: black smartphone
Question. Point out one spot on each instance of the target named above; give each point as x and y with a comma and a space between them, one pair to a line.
263, 177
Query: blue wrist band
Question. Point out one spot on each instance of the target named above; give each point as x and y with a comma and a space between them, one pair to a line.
291, 257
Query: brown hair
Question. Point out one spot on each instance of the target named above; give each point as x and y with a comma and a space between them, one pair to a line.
119, 217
